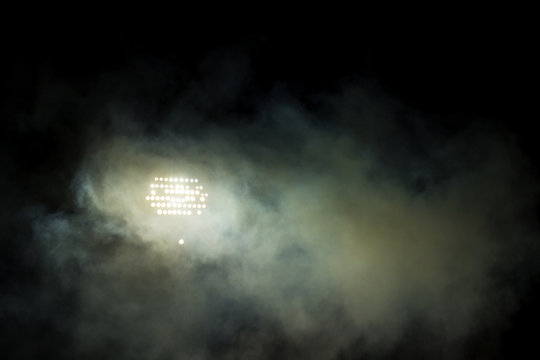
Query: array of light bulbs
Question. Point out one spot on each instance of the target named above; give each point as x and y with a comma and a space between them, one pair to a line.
177, 196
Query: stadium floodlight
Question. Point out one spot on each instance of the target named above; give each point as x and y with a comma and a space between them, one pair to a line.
176, 196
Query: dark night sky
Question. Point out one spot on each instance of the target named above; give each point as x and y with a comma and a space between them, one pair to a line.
374, 188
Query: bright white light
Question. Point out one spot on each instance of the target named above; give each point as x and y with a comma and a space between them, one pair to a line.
181, 241
185, 196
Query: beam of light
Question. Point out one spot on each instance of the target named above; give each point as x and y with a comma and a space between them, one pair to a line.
162, 190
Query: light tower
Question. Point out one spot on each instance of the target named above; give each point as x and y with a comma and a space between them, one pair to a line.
177, 196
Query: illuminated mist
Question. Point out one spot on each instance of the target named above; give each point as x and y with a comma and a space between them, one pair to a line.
318, 239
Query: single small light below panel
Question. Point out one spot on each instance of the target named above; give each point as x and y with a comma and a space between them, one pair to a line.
161, 188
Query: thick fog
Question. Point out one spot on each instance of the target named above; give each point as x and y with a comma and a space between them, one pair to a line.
331, 229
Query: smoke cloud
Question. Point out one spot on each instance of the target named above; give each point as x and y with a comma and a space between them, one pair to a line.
331, 231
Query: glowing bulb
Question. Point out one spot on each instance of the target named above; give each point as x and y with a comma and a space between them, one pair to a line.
153, 192
199, 212
160, 179
159, 212
181, 241
147, 198
153, 204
